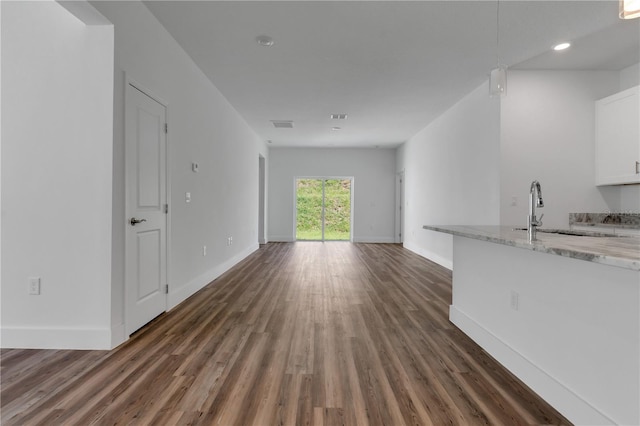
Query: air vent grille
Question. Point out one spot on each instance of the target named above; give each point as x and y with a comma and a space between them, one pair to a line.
282, 124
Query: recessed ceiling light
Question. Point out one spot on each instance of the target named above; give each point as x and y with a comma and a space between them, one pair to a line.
265, 41
336, 128
562, 46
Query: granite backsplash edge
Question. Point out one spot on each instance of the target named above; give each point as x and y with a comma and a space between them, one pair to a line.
618, 220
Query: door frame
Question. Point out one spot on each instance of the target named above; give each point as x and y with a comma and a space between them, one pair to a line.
262, 189
400, 208
295, 204
134, 84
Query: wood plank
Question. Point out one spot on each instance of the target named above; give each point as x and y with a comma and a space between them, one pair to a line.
297, 333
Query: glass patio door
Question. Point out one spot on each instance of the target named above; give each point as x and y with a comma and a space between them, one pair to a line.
323, 209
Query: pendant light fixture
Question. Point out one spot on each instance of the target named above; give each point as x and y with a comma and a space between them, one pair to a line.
629, 9
498, 76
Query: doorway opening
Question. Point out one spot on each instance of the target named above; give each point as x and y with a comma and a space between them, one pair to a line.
323, 209
262, 239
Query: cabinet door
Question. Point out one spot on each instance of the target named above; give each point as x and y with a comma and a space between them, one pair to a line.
618, 138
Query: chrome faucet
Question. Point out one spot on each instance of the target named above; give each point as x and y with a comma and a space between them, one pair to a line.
535, 200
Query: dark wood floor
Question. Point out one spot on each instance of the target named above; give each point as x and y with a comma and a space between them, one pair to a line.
298, 333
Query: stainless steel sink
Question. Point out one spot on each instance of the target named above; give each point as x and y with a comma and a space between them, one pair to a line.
572, 232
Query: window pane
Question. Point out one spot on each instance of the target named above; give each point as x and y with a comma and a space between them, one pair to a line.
337, 213
309, 209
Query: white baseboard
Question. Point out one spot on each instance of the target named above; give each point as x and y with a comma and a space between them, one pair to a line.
56, 338
442, 261
289, 239
180, 294
281, 239
563, 399
378, 240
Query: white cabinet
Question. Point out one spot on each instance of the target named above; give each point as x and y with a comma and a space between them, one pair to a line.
618, 138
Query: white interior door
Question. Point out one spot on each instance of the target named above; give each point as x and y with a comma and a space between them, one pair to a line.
146, 236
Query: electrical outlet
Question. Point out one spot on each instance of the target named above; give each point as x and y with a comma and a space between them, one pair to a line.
514, 201
230, 241
187, 197
204, 250
34, 286
515, 300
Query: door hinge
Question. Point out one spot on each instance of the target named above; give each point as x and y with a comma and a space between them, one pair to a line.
166, 208
166, 289
166, 128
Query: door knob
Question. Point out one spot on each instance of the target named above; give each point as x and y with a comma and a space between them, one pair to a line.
133, 221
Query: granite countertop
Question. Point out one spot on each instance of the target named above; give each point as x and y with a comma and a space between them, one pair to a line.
620, 251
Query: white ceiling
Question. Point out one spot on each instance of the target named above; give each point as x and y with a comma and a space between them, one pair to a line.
392, 66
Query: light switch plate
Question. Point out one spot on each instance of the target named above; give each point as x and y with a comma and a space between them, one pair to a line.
34, 286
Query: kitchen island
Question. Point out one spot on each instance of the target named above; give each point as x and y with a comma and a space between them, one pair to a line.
562, 313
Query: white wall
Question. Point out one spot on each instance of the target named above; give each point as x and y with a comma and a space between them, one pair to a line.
373, 171
203, 127
57, 100
629, 194
1, 177
629, 77
452, 174
547, 133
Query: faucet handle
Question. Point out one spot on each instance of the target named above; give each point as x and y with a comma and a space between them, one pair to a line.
539, 221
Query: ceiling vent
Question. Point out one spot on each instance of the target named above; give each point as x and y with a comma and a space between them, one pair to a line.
282, 124
338, 116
